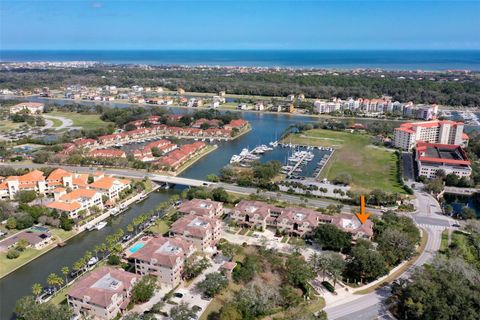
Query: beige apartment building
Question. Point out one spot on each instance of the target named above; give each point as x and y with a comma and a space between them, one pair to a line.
102, 293
162, 257
444, 132
202, 231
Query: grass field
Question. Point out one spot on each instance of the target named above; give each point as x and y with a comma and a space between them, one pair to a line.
87, 121
56, 123
7, 125
369, 166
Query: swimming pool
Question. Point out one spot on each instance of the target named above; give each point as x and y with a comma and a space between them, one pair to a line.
136, 247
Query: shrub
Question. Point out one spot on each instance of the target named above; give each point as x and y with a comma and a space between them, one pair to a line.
13, 254
328, 286
113, 260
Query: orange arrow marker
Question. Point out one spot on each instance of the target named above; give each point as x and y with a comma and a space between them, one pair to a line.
362, 216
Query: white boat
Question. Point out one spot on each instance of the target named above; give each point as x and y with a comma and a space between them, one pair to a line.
100, 225
244, 152
90, 226
92, 261
235, 158
115, 212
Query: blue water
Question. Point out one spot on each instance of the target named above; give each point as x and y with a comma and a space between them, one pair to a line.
342, 59
136, 247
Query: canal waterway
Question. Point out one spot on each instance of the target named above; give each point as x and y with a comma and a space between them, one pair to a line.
19, 283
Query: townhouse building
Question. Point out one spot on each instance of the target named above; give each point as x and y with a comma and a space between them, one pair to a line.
202, 231
102, 293
162, 257
76, 201
107, 153
295, 220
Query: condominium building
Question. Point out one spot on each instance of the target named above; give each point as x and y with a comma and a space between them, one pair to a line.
102, 293
202, 207
296, 220
162, 257
203, 232
76, 201
443, 132
109, 186
433, 157
31, 181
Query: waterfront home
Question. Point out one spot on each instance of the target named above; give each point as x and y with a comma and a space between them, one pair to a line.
31, 181
60, 177
237, 123
109, 186
76, 201
36, 236
203, 232
176, 158
102, 293
107, 153
30, 107
162, 257
202, 207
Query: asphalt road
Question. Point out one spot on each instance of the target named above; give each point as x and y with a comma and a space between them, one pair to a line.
129, 173
371, 306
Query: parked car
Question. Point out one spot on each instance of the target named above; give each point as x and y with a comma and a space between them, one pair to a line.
178, 295
126, 237
49, 290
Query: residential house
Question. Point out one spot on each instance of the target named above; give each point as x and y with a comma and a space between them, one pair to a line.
30, 107
37, 238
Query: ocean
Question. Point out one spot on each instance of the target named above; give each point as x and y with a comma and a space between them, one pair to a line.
330, 59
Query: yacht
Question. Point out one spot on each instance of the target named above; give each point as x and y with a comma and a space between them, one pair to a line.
100, 225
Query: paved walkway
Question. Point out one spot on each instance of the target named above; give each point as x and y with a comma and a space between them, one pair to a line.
66, 123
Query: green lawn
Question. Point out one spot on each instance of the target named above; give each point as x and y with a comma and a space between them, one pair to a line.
7, 125
56, 123
87, 121
369, 166
8, 265
160, 227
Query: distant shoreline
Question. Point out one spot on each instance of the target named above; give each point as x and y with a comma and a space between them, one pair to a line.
388, 60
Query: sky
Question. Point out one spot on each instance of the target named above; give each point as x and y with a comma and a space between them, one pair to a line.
239, 24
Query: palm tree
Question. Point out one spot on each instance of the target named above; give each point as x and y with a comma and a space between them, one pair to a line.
324, 264
78, 266
37, 289
96, 249
58, 281
87, 256
336, 274
52, 279
65, 270
130, 228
